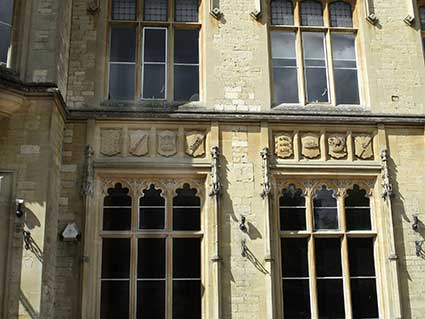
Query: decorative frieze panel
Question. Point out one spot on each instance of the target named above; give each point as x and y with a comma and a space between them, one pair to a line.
319, 144
143, 142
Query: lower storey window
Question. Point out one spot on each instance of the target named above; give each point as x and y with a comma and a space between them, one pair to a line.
327, 253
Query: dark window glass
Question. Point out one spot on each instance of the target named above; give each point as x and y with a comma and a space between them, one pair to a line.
345, 68
330, 295
357, 209
155, 45
116, 258
121, 81
186, 209
296, 299
115, 296
340, 14
361, 257
152, 209
294, 257
422, 17
6, 11
364, 299
156, 10
292, 209
4, 41
123, 44
186, 65
154, 81
117, 209
328, 257
315, 67
325, 209
186, 299
123, 9
284, 60
311, 13
186, 258
150, 299
282, 12
151, 258
186, 10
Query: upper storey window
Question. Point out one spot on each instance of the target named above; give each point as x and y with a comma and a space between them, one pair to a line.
6, 13
313, 52
154, 50
422, 19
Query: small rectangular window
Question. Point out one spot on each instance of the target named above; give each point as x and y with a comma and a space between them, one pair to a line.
186, 10
155, 10
154, 63
124, 10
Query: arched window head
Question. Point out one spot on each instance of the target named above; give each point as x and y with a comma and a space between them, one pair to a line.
117, 209
152, 209
422, 16
341, 14
325, 209
357, 209
282, 12
186, 209
292, 209
311, 13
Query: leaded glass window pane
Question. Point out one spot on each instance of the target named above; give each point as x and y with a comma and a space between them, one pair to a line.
117, 209
124, 10
422, 15
292, 209
156, 10
341, 14
325, 209
186, 10
357, 209
186, 209
311, 13
152, 209
282, 12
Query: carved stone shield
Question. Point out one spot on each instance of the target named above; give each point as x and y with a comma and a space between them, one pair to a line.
167, 143
283, 145
110, 142
363, 146
310, 145
138, 142
195, 143
337, 146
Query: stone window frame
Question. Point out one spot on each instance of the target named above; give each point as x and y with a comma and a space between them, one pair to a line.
140, 24
91, 283
421, 6
339, 185
327, 29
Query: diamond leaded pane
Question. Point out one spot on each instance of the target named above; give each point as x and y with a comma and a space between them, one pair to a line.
422, 14
124, 10
282, 12
156, 10
311, 13
187, 10
341, 15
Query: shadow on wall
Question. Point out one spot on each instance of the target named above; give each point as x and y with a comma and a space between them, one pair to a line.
27, 306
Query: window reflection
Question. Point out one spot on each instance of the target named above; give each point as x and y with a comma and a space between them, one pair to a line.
325, 209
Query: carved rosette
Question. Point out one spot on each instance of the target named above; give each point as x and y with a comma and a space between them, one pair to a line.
167, 143
195, 143
363, 146
310, 145
110, 142
138, 142
337, 146
283, 145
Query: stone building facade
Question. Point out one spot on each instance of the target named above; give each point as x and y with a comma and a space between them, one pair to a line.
212, 159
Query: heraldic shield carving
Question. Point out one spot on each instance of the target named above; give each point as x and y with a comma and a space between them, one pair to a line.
310, 145
363, 146
111, 142
283, 145
337, 146
138, 142
167, 143
195, 143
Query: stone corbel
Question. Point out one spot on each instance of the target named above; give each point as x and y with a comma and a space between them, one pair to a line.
258, 11
266, 184
87, 189
410, 18
370, 12
387, 187
215, 185
215, 9
93, 7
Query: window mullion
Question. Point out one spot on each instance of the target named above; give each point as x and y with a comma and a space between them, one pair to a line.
139, 52
170, 64
300, 63
133, 276
346, 276
330, 68
169, 278
313, 280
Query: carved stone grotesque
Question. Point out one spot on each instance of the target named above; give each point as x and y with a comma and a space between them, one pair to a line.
283, 145
337, 146
110, 141
167, 143
310, 145
138, 142
195, 143
363, 146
